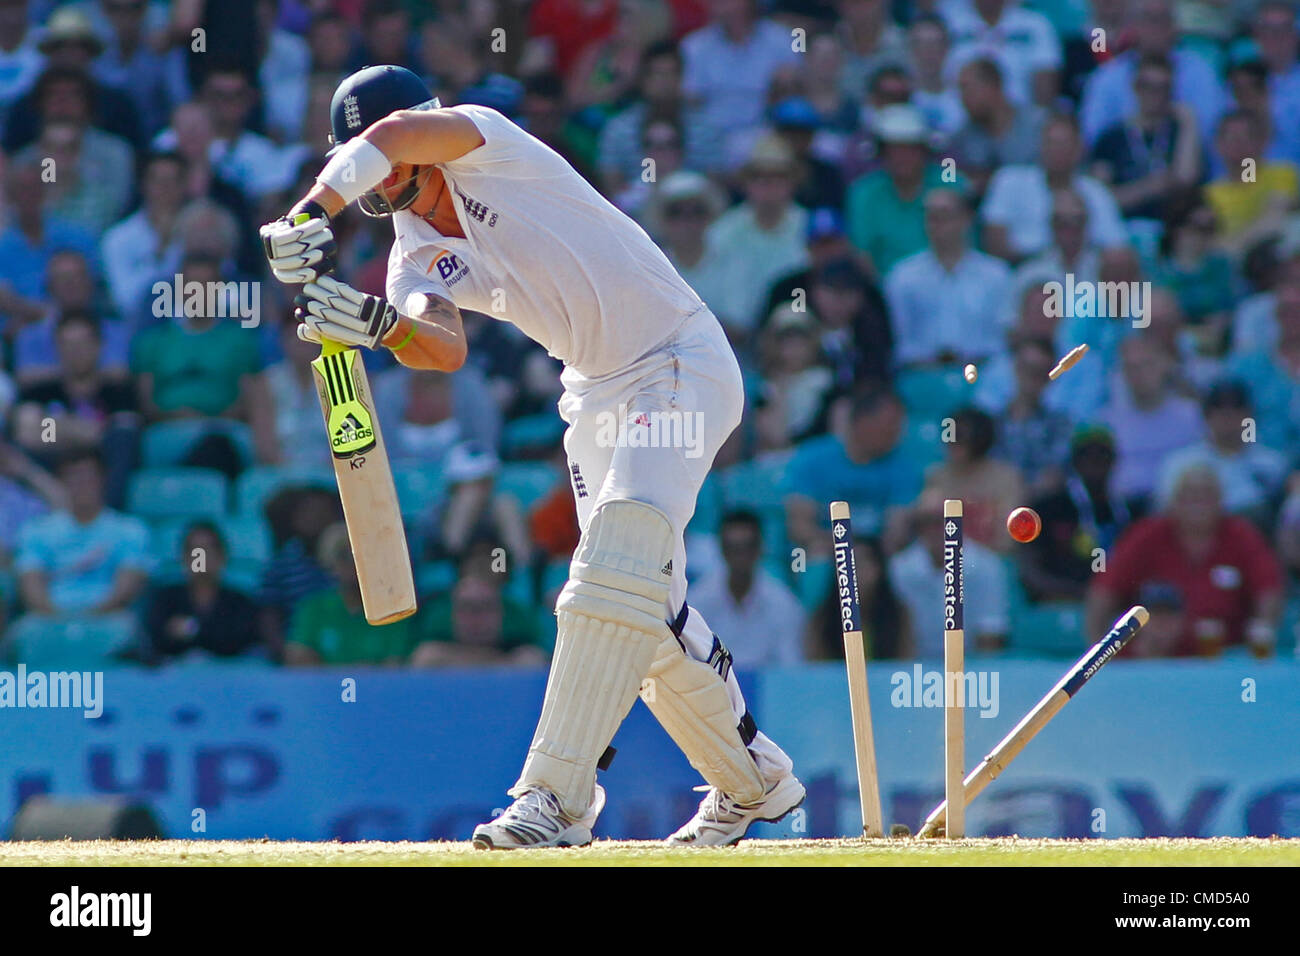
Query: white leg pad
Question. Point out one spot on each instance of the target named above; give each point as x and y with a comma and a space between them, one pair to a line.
689, 698
611, 619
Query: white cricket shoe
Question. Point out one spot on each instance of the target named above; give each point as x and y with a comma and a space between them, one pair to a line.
720, 821
536, 820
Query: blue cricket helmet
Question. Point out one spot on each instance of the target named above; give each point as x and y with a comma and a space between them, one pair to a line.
366, 97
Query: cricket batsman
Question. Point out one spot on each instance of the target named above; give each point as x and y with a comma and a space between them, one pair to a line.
491, 219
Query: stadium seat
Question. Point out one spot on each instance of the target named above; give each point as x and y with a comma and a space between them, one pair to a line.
167, 443
77, 643
932, 393
177, 493
419, 489
528, 482
258, 484
812, 586
753, 484
1048, 630
531, 433
434, 577
708, 507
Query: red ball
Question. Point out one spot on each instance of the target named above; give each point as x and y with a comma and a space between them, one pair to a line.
1023, 524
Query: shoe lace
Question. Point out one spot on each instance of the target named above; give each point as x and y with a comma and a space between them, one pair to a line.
715, 806
535, 803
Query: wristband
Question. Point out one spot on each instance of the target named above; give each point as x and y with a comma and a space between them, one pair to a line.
405, 342
358, 167
309, 208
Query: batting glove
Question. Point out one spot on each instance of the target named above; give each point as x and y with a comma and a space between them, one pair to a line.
334, 310
300, 250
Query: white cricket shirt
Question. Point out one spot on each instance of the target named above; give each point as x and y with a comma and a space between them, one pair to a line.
543, 251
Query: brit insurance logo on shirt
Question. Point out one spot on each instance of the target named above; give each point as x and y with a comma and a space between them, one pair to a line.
450, 269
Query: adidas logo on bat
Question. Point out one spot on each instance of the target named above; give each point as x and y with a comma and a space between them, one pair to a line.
349, 431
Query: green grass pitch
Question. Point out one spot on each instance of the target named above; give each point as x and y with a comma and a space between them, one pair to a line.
1009, 851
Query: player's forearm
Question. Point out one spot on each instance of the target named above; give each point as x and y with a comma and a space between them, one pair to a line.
417, 137
433, 338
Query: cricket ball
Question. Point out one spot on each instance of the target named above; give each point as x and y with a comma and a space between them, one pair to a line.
1023, 524
971, 373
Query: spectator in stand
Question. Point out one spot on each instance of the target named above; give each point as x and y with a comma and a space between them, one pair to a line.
685, 207
1274, 32
544, 114
478, 629
1017, 208
797, 384
193, 136
88, 560
285, 70
330, 628
1148, 419
885, 209
866, 464
820, 184
917, 573
331, 43
1108, 96
27, 492
662, 145
1193, 267
430, 412
1223, 569
247, 159
1022, 41
886, 623
937, 98
34, 235
1273, 371
1251, 474
93, 170
752, 612
856, 337
1031, 437
200, 366
729, 65
20, 61
1248, 81
1254, 196
826, 242
1154, 154
70, 287
70, 46
870, 39
836, 110
475, 508
946, 302
294, 399
658, 96
80, 409
201, 617
560, 30
996, 131
297, 516
145, 246
759, 240
990, 488
1070, 252
1081, 521
153, 78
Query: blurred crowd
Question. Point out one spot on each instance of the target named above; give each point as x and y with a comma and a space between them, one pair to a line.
870, 195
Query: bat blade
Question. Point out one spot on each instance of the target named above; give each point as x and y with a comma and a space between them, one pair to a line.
365, 483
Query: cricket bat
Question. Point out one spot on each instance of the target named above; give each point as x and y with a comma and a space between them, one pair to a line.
365, 483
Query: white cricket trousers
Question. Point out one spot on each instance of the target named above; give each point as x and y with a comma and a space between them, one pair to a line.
650, 433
